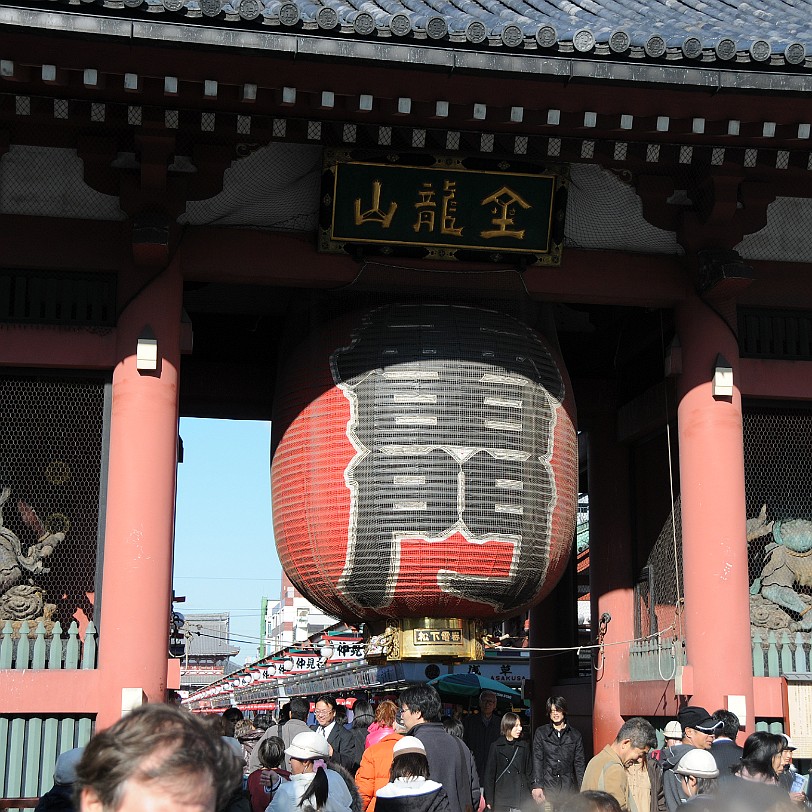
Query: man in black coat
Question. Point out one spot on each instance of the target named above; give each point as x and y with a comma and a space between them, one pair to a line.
482, 729
342, 747
726, 753
558, 756
450, 761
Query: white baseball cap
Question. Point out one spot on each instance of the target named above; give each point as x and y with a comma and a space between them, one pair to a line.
308, 746
699, 763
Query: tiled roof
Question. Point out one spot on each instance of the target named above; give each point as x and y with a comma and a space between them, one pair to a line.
725, 33
208, 635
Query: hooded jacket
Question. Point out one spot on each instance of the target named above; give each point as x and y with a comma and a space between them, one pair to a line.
412, 795
674, 796
377, 732
286, 732
289, 794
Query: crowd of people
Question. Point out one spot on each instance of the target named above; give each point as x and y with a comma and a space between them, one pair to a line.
403, 756
700, 767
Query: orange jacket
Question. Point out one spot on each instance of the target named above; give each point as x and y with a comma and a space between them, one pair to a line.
374, 770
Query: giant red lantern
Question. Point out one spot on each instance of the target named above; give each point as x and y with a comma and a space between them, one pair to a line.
425, 464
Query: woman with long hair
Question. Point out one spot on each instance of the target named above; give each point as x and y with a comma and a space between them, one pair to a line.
385, 715
312, 786
410, 789
756, 786
509, 768
761, 758
362, 718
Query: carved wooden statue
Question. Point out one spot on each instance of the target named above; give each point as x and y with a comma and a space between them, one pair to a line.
15, 565
788, 563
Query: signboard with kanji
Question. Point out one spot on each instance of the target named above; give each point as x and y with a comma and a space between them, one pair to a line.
445, 209
428, 637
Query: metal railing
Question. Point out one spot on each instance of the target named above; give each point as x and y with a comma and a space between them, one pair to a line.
655, 658
37, 649
775, 653
782, 652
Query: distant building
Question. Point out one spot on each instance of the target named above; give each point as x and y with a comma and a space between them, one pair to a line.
292, 620
208, 652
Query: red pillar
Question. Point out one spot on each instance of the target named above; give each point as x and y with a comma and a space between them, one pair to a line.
717, 601
610, 569
137, 570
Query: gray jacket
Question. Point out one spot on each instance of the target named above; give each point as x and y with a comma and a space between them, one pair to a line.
285, 732
672, 786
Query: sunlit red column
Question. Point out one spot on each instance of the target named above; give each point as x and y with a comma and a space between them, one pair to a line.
713, 515
137, 571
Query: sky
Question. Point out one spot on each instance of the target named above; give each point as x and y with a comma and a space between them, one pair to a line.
225, 556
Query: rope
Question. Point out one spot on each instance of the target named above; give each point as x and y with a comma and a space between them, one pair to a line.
678, 602
563, 649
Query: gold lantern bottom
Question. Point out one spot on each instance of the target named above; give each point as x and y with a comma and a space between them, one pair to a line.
450, 639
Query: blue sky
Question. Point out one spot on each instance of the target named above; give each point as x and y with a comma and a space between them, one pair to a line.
225, 556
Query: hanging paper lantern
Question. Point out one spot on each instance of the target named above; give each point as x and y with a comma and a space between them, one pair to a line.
425, 464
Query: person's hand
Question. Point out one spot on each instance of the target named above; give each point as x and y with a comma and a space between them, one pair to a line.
538, 795
265, 778
798, 797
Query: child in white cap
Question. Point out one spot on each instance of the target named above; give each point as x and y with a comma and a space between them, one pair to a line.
410, 787
312, 784
698, 772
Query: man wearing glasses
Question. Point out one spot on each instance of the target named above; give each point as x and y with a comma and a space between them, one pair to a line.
482, 729
450, 761
338, 737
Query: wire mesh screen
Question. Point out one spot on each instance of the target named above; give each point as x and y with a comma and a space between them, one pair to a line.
50, 467
659, 648
603, 211
658, 591
786, 237
49, 182
778, 482
275, 187
230, 169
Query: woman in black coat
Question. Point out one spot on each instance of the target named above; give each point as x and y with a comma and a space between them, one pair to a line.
508, 770
558, 756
